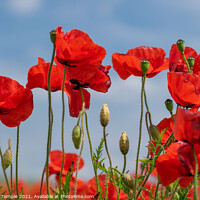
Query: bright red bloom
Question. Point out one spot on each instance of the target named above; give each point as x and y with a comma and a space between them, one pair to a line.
56, 162
184, 88
129, 63
16, 102
187, 126
76, 50
38, 78
178, 162
176, 61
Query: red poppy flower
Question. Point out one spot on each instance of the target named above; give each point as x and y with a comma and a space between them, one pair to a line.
76, 50
16, 102
129, 63
176, 61
187, 126
38, 78
80, 185
56, 162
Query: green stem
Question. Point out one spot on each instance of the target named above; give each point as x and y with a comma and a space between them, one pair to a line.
91, 151
140, 134
4, 172
50, 125
174, 191
117, 171
156, 192
189, 70
110, 161
106, 186
62, 132
11, 178
83, 140
124, 164
195, 174
145, 100
17, 153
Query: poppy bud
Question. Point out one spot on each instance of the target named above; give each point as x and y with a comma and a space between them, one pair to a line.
128, 181
181, 45
169, 105
144, 65
104, 115
76, 136
154, 132
124, 143
53, 36
191, 61
7, 158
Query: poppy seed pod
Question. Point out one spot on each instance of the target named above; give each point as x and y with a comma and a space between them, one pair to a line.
154, 132
181, 45
169, 105
128, 181
7, 158
76, 136
53, 36
191, 61
104, 115
124, 143
144, 65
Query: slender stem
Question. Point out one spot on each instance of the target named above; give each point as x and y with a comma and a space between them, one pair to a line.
172, 116
140, 134
174, 191
117, 171
145, 100
189, 70
195, 174
124, 164
62, 132
91, 151
11, 177
83, 140
156, 192
106, 186
110, 161
4, 172
49, 127
17, 153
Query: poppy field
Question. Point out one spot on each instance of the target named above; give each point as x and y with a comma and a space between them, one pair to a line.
172, 164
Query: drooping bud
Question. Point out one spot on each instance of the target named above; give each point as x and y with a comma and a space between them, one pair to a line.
154, 132
191, 61
124, 143
169, 105
76, 136
128, 181
7, 156
53, 36
104, 115
144, 65
181, 45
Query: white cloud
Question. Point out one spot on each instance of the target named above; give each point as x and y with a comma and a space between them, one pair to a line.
24, 7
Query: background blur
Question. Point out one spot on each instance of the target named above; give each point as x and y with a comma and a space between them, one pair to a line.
117, 25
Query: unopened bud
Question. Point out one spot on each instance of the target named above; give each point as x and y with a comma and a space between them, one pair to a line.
181, 45
191, 61
76, 136
53, 36
104, 115
128, 181
124, 143
154, 132
169, 105
7, 158
144, 65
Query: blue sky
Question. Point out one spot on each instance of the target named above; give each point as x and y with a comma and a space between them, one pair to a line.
117, 25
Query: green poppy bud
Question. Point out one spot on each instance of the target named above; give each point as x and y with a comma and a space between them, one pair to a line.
191, 61
76, 136
53, 36
181, 45
128, 181
169, 105
154, 132
7, 158
144, 65
124, 143
104, 115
